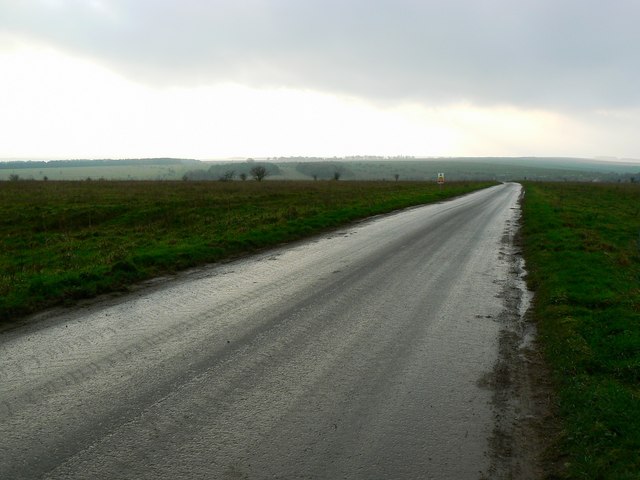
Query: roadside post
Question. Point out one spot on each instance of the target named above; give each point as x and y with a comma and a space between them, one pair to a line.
440, 180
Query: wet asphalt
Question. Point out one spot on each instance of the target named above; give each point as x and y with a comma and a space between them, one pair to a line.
356, 354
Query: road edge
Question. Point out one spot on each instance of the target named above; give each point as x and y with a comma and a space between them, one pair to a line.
523, 394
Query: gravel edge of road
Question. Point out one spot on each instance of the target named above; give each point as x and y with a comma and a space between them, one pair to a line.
523, 396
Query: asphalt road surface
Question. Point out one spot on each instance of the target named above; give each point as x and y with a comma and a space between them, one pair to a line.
356, 354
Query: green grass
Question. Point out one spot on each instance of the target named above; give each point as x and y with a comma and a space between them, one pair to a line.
61, 241
582, 247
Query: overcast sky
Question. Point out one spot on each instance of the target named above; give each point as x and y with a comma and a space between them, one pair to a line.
221, 78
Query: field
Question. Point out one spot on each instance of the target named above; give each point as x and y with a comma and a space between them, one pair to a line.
582, 247
83, 170
61, 241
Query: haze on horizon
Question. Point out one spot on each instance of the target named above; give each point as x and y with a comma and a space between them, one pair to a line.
262, 78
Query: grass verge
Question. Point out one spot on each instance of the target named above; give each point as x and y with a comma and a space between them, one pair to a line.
582, 248
61, 241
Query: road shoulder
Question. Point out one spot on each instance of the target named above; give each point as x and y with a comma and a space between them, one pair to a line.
523, 396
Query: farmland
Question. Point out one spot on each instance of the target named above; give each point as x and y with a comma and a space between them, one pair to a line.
582, 247
62, 241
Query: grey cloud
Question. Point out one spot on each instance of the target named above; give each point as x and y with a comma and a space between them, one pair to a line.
535, 53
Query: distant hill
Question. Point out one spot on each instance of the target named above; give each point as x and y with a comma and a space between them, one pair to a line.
231, 171
93, 163
358, 168
326, 170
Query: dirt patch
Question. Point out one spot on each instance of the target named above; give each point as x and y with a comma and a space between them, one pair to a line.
523, 399
525, 424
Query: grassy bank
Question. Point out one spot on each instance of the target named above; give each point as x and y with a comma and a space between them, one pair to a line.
61, 241
583, 253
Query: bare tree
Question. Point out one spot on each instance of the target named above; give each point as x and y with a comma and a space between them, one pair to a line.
228, 176
396, 176
243, 176
259, 172
336, 175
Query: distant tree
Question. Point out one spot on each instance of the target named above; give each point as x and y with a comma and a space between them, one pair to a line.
336, 175
227, 176
322, 170
259, 172
45, 178
396, 176
243, 176
14, 177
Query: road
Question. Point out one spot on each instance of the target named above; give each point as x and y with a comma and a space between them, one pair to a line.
361, 353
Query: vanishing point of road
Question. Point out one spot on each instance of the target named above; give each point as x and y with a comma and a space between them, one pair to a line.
359, 353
